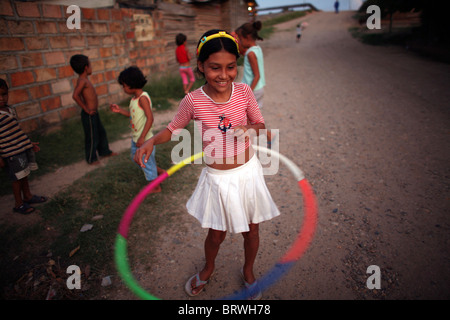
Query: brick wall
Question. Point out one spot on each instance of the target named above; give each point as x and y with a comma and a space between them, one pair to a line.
36, 46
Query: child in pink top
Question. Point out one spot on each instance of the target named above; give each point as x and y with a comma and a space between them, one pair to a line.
184, 59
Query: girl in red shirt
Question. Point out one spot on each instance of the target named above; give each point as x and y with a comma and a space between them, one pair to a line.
231, 194
183, 58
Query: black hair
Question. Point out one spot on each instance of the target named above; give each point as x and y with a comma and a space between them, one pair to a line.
250, 28
215, 45
3, 84
79, 62
180, 39
132, 77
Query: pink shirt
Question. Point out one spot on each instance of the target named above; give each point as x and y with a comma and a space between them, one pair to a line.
214, 119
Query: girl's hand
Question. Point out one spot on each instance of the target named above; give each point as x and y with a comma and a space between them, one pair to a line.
114, 108
35, 146
240, 133
143, 153
140, 142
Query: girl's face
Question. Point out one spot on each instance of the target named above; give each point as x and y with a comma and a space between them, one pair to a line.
127, 89
220, 70
3, 97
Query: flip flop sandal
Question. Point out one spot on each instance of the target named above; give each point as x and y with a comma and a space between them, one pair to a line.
24, 209
188, 287
36, 199
254, 290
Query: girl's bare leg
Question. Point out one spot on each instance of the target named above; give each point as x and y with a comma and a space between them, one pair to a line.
251, 246
212, 245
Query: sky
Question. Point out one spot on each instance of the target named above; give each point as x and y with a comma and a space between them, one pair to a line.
325, 5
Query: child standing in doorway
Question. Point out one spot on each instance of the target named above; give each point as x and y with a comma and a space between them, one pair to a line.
231, 194
85, 96
17, 155
253, 62
184, 59
141, 117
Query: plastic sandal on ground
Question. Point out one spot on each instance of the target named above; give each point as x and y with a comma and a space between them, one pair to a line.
188, 287
254, 290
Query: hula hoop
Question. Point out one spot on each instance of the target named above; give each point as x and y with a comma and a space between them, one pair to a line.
297, 249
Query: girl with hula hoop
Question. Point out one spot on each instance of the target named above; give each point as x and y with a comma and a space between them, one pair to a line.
231, 194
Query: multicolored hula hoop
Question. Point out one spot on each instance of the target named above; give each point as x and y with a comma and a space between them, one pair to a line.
297, 249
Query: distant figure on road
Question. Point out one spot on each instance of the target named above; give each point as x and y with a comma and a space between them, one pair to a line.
299, 32
336, 6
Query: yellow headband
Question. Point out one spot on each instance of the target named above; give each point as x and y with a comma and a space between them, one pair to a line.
220, 34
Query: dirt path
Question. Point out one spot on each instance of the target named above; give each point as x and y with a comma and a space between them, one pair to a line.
369, 126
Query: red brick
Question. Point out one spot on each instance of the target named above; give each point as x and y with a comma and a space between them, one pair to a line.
98, 65
8, 62
133, 54
116, 14
58, 42
130, 35
88, 13
50, 104
46, 27
6, 9
103, 14
115, 27
51, 11
93, 41
21, 78
108, 40
69, 113
40, 91
51, 118
97, 78
101, 89
118, 38
27, 9
77, 41
31, 60
28, 110
29, 125
36, 43
140, 63
110, 63
21, 27
54, 58
105, 52
65, 72
100, 27
11, 44
17, 96
110, 75
45, 74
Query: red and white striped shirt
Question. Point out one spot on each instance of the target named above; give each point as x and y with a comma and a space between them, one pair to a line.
215, 118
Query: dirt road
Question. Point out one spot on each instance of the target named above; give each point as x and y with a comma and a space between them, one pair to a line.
370, 128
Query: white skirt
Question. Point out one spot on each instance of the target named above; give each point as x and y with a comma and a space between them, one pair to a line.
230, 200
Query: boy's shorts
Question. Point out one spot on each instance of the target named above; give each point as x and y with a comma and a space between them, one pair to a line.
19, 166
150, 171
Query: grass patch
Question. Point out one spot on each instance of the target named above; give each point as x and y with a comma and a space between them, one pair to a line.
34, 259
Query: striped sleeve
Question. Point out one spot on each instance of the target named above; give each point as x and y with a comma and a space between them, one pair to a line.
253, 112
12, 139
184, 114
